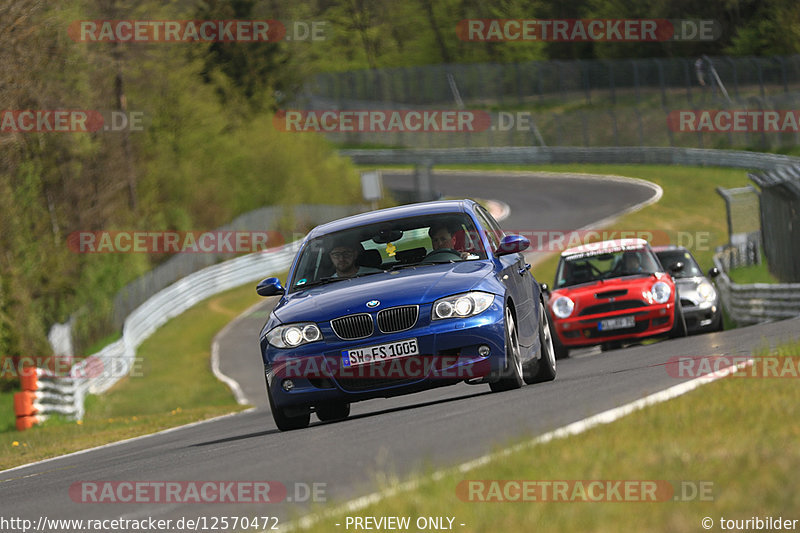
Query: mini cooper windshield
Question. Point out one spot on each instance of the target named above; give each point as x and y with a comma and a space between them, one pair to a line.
606, 263
372, 248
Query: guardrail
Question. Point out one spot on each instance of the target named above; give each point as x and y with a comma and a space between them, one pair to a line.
756, 302
45, 393
528, 155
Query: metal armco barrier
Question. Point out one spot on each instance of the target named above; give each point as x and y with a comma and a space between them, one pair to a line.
46, 393
757, 302
536, 155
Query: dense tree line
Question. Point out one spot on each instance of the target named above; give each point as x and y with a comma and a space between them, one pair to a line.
207, 152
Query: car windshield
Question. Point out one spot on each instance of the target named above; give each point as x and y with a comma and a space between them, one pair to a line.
669, 258
378, 247
593, 266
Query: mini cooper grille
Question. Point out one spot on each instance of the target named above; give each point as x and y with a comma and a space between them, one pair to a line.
397, 318
352, 326
612, 306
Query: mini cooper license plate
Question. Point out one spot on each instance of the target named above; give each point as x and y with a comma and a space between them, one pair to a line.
380, 352
621, 322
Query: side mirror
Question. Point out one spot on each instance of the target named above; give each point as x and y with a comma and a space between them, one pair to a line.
512, 244
270, 287
713, 272
545, 288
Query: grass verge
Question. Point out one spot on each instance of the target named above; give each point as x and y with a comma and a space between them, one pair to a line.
731, 439
173, 385
752, 274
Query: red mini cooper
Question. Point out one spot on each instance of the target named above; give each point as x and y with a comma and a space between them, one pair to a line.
612, 291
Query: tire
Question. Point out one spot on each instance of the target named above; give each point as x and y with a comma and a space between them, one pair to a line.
329, 412
561, 351
720, 325
679, 326
283, 421
544, 369
511, 378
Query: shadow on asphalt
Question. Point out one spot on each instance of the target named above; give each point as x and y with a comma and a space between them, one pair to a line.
266, 412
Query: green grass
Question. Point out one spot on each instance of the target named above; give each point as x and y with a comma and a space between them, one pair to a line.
752, 274
172, 385
7, 418
736, 437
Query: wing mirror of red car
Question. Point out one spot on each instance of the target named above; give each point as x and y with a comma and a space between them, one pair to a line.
269, 287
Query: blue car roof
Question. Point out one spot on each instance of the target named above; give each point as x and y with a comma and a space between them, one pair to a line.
393, 213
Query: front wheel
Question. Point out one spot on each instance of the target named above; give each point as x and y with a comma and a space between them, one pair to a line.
679, 322
282, 420
512, 375
545, 368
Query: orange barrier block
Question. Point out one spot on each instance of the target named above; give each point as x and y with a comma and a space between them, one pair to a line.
29, 378
27, 422
23, 403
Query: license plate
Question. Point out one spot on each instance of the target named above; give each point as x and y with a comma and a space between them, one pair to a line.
621, 322
380, 352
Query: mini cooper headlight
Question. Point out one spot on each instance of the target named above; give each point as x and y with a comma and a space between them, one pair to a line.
706, 291
563, 306
462, 305
293, 335
660, 292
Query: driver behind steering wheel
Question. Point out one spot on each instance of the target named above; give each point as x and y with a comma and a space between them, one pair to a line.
442, 238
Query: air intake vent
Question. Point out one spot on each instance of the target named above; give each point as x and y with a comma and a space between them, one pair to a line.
611, 294
353, 326
398, 318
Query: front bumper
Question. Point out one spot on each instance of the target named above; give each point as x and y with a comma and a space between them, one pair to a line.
449, 354
652, 320
702, 317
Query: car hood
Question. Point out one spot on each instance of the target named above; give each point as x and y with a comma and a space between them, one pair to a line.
613, 287
410, 286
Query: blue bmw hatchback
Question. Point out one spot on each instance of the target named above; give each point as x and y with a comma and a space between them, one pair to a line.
401, 300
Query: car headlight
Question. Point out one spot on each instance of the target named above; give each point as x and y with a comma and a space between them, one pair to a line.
462, 305
706, 291
563, 306
660, 292
293, 335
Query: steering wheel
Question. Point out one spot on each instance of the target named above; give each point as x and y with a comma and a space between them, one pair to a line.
443, 252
